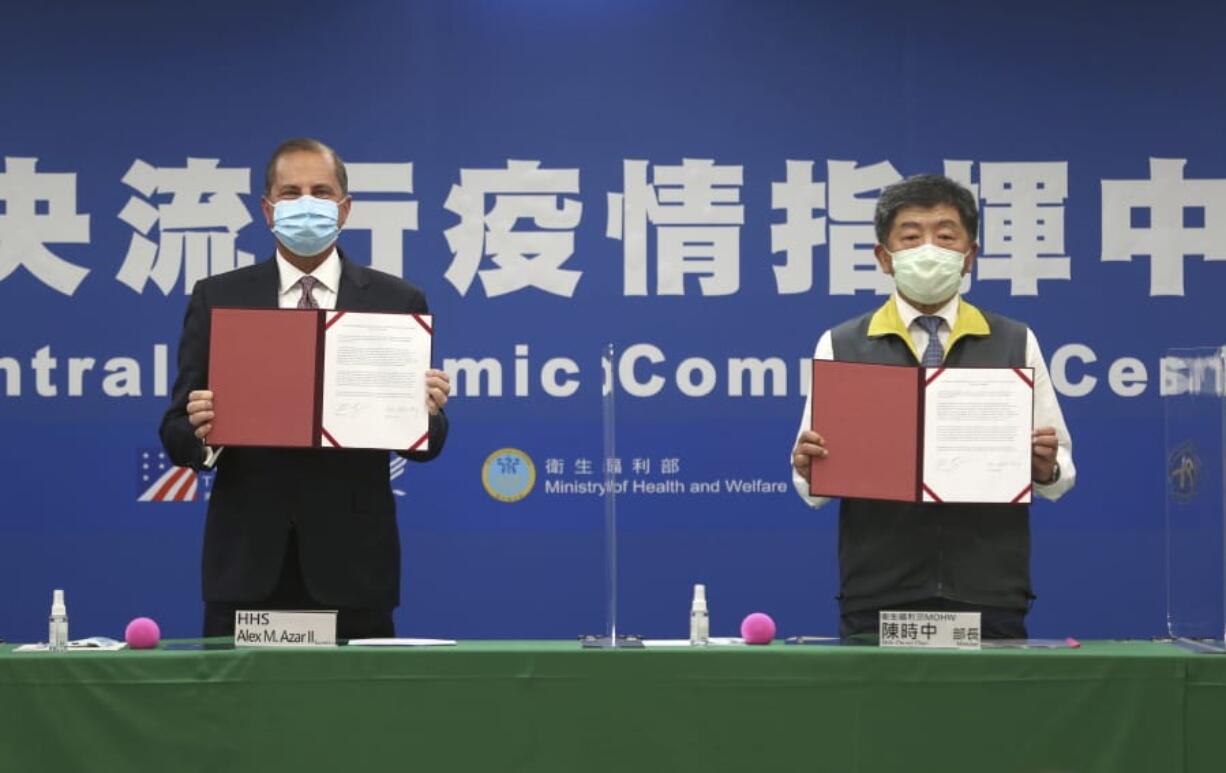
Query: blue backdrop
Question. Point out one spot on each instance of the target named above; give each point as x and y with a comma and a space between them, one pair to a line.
743, 145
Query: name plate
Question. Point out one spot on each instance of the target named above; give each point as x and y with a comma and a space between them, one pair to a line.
929, 630
256, 628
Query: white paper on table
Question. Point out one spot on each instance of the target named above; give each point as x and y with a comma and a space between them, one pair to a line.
402, 642
714, 641
374, 390
92, 644
978, 424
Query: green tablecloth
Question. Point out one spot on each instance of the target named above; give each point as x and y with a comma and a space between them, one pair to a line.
546, 706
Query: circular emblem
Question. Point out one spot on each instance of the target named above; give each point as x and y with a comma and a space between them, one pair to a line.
1183, 472
508, 474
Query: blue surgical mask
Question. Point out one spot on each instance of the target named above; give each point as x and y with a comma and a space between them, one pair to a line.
306, 225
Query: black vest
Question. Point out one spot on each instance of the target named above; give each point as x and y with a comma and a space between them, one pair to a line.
895, 552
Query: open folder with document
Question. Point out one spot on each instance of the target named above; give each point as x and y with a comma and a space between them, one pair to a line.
323, 379
923, 434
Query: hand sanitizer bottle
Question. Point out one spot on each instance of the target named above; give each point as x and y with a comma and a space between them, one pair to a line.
57, 637
700, 622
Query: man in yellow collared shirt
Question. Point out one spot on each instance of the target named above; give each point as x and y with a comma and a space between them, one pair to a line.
959, 557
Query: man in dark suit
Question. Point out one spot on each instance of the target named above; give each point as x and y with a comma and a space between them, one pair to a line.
296, 528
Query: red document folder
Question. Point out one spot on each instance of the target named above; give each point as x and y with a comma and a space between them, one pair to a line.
264, 375
869, 416
267, 372
873, 420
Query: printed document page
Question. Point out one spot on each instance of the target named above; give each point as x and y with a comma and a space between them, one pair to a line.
977, 434
374, 393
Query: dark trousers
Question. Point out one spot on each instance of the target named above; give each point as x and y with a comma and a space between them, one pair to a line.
290, 593
995, 623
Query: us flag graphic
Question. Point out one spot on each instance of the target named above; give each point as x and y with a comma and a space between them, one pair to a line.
160, 481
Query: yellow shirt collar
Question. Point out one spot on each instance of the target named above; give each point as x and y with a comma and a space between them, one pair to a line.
887, 321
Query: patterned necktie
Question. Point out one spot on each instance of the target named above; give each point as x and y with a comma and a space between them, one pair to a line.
934, 353
307, 301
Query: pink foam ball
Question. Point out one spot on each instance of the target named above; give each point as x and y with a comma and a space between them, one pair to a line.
757, 628
142, 634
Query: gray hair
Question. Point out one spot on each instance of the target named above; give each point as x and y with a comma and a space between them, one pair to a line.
301, 144
925, 190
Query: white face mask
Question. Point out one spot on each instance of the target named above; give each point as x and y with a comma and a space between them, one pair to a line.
928, 274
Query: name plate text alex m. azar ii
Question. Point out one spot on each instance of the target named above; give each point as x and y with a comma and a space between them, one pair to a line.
255, 628
929, 630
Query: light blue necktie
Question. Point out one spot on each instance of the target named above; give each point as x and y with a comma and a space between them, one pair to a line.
934, 353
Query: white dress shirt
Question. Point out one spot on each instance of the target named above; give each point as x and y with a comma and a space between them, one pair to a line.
328, 276
1046, 407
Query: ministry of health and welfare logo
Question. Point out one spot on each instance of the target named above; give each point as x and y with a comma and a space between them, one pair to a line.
508, 474
1183, 469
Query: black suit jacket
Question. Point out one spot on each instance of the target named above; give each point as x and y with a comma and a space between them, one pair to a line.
338, 501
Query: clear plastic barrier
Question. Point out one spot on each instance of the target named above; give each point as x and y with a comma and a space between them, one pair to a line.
610, 639
1193, 392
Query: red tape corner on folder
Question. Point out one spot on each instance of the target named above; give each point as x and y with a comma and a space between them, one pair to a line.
933, 377
420, 440
426, 327
1024, 377
1023, 494
336, 318
330, 439
932, 493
